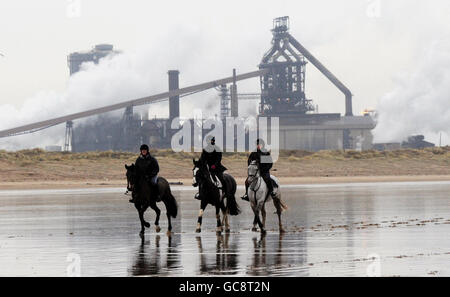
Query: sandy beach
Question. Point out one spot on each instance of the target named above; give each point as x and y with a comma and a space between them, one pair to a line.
37, 169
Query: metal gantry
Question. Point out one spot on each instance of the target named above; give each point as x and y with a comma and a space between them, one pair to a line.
68, 137
283, 86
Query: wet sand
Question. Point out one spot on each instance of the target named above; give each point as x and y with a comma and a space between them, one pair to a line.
332, 230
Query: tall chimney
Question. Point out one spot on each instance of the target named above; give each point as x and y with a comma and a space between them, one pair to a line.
174, 102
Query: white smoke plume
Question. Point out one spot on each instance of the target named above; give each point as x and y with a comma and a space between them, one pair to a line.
127, 76
420, 104
115, 79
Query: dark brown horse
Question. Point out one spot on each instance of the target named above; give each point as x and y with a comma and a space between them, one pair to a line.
143, 198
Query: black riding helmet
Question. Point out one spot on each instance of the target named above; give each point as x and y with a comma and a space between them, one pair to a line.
144, 147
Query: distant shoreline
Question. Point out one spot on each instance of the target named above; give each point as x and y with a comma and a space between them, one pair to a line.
30, 185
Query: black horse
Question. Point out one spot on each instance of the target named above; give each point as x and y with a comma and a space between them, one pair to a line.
209, 193
144, 198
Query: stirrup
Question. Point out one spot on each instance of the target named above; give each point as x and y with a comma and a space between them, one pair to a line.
197, 196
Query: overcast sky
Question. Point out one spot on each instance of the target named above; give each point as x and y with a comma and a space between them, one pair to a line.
367, 44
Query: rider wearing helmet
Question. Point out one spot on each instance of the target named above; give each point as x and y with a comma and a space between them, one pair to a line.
147, 167
212, 156
264, 167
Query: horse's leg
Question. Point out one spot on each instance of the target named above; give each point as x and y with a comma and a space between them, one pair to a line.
225, 213
255, 220
279, 210
225, 221
200, 216
219, 224
263, 212
260, 224
169, 229
158, 213
141, 209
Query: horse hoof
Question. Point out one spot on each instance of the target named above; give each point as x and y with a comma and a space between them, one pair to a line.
254, 229
198, 230
227, 231
263, 231
141, 234
157, 229
282, 230
147, 224
169, 233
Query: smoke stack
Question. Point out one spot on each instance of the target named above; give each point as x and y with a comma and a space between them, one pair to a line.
174, 102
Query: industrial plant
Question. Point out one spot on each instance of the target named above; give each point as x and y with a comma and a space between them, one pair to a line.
282, 73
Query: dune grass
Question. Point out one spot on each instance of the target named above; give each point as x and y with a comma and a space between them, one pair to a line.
40, 155
37, 164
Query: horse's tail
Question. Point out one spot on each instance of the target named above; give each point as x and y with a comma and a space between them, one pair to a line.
279, 204
171, 205
232, 206
169, 201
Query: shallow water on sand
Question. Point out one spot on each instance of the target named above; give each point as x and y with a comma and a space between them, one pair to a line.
332, 230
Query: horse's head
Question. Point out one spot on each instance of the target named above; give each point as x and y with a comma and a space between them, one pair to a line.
199, 172
252, 171
131, 176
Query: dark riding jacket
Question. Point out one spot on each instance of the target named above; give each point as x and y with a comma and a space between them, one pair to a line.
147, 166
211, 158
256, 156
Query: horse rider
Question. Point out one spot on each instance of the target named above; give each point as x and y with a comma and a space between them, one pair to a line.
264, 167
212, 156
148, 168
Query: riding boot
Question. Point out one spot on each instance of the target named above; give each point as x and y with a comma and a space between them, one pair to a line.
155, 190
197, 196
133, 197
269, 184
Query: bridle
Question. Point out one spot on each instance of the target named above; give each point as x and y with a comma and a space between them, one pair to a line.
204, 177
130, 180
252, 177
195, 183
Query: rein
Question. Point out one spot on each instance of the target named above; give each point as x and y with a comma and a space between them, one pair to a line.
257, 181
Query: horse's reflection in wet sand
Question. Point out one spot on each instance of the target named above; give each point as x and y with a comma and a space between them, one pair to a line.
226, 260
148, 261
266, 261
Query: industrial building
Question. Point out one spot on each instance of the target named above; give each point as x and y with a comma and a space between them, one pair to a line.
74, 60
282, 95
413, 142
282, 72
